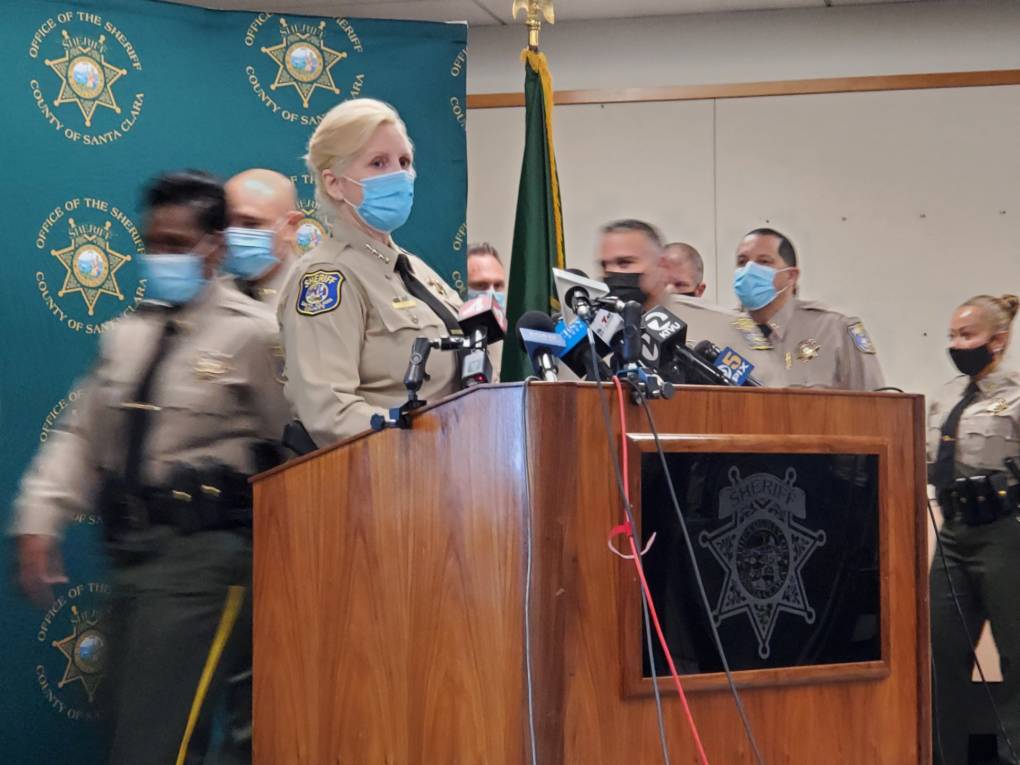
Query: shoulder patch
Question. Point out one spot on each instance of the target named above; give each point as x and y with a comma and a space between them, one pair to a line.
320, 292
862, 341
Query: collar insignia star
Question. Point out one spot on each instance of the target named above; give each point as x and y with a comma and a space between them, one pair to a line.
85, 76
91, 264
304, 59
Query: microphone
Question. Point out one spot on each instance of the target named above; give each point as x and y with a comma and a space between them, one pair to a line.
415, 375
577, 292
730, 364
630, 343
577, 352
664, 332
483, 322
606, 325
539, 339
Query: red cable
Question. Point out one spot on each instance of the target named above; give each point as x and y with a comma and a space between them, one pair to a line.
644, 583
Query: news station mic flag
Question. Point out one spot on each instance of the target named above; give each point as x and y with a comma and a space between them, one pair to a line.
538, 228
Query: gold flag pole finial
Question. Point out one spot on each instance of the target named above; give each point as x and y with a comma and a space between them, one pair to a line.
535, 11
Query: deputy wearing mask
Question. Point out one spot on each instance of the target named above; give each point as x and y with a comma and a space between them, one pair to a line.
794, 342
353, 306
262, 216
182, 405
629, 251
486, 275
973, 430
630, 255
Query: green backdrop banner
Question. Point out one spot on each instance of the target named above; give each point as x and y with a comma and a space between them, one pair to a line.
98, 97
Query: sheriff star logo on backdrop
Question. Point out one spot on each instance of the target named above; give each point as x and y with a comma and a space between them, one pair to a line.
73, 645
304, 60
86, 78
762, 549
85, 651
91, 264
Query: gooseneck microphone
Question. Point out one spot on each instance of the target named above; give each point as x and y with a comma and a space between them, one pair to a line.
539, 339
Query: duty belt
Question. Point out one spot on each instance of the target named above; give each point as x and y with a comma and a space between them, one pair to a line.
979, 500
193, 500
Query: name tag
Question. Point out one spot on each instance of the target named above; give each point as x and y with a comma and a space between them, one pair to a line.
399, 304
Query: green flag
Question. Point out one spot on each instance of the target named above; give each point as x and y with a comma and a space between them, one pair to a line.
538, 228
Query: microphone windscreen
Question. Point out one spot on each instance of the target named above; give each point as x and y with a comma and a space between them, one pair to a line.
534, 320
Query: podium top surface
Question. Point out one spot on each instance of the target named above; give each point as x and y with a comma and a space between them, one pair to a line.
538, 385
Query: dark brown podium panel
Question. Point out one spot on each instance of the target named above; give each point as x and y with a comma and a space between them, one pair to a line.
446, 594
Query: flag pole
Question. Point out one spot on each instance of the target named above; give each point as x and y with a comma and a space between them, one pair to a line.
534, 12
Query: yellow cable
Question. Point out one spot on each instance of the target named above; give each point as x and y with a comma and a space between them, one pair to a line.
235, 598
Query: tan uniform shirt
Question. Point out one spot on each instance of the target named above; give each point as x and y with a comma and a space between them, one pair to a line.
267, 291
348, 324
810, 346
707, 321
989, 429
218, 390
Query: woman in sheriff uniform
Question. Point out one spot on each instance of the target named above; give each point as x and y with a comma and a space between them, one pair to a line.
353, 306
973, 431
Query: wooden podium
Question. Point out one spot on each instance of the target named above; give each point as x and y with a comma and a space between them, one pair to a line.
407, 581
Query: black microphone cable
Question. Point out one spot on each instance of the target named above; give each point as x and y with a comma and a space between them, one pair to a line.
599, 384
1014, 759
745, 721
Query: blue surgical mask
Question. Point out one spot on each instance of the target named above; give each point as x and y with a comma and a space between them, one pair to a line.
499, 297
250, 253
755, 285
173, 279
387, 200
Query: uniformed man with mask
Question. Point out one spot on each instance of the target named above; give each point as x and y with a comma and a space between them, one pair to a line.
485, 273
353, 306
794, 342
183, 404
630, 253
262, 236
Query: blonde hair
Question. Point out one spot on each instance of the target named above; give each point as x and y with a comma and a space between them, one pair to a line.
999, 311
343, 132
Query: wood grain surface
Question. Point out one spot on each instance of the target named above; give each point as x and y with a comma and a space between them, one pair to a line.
390, 591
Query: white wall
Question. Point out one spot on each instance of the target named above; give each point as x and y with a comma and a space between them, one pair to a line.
900, 38
901, 203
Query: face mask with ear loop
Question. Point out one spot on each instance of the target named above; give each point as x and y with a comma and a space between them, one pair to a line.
250, 252
755, 285
386, 201
173, 278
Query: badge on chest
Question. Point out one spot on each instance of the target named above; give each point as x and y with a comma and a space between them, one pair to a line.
211, 365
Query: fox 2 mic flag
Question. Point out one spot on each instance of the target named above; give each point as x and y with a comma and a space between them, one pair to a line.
538, 228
